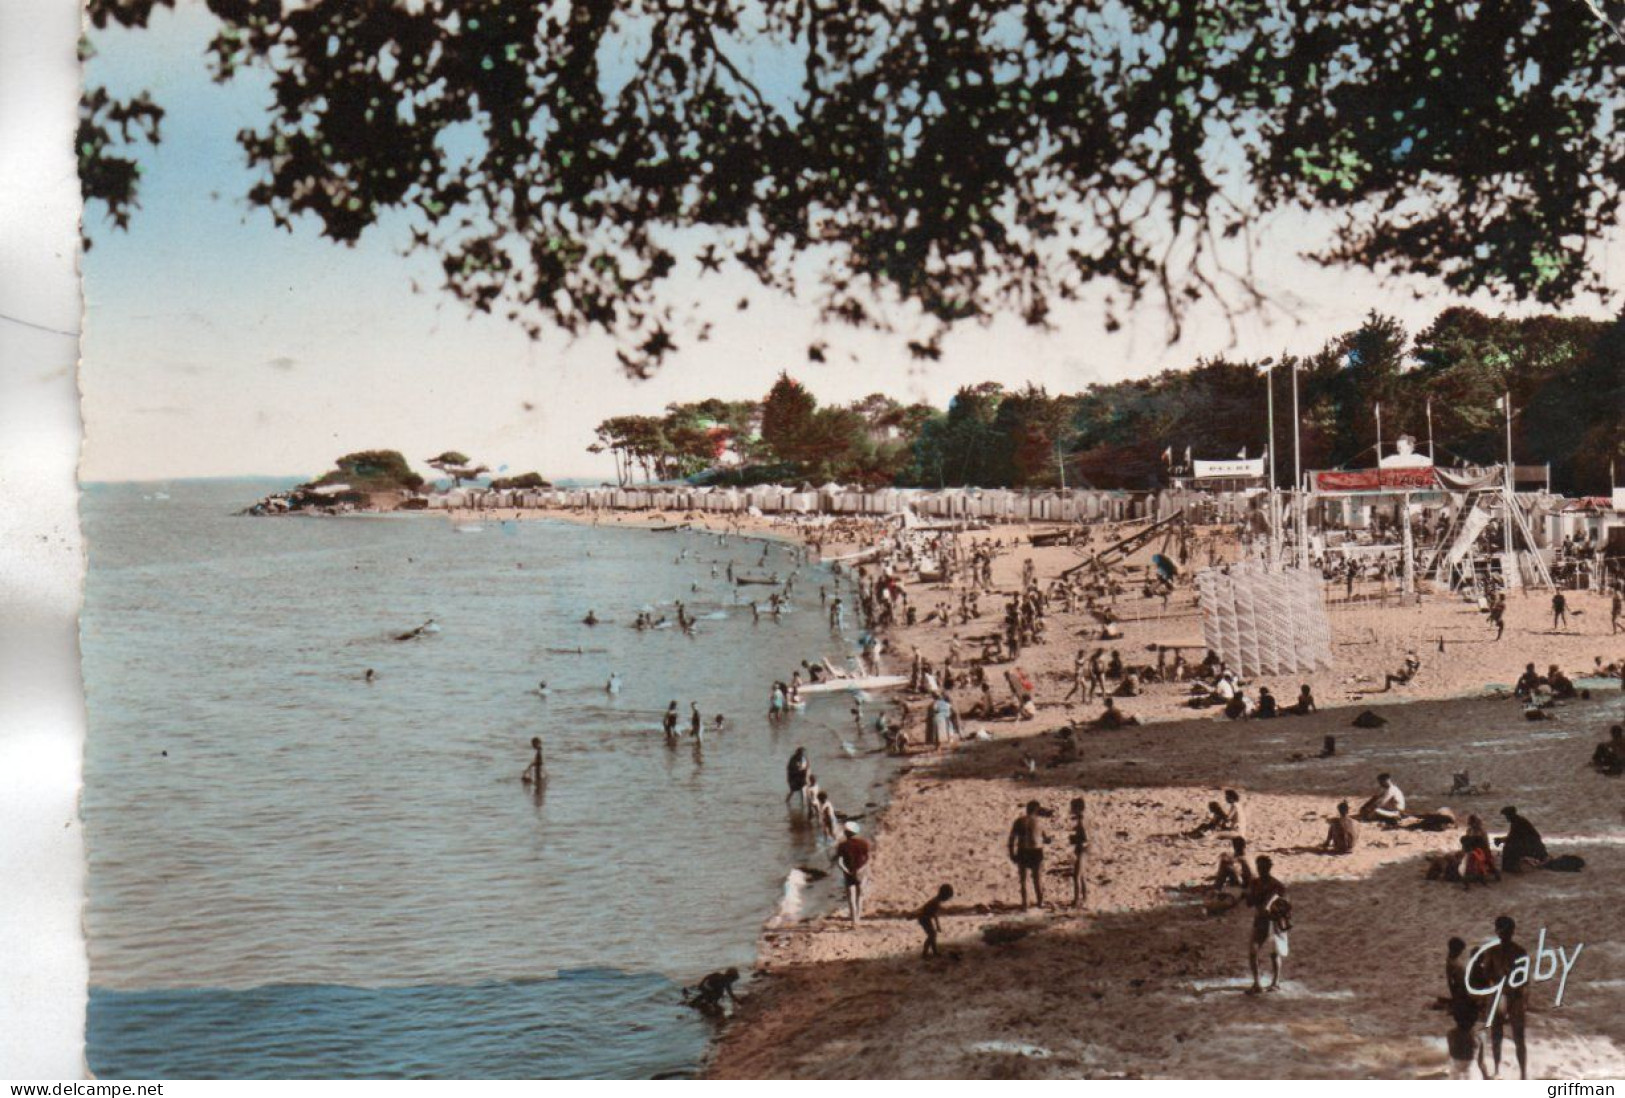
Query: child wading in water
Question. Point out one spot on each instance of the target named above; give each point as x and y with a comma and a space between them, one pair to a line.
930, 917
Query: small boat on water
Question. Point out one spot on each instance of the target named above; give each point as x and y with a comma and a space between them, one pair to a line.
764, 581
867, 682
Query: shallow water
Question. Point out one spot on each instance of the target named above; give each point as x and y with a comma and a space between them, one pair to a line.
286, 845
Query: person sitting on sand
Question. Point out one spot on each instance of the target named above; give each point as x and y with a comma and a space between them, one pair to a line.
1609, 757
1267, 707
1238, 708
1113, 717
1305, 704
1025, 846
930, 919
1234, 868
1527, 683
1521, 847
1405, 674
707, 995
1271, 922
1342, 833
1387, 805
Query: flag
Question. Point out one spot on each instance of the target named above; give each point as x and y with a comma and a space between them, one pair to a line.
1187, 455
1168, 456
1243, 454
1500, 404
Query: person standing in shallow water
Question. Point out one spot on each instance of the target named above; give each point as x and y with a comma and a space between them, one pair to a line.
536, 773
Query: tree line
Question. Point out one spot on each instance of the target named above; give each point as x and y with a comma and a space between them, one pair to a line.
1565, 375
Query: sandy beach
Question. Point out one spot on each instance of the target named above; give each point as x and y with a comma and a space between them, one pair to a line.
1143, 981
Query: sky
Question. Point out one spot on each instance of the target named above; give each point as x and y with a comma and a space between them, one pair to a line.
218, 345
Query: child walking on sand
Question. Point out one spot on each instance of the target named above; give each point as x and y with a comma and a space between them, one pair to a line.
930, 918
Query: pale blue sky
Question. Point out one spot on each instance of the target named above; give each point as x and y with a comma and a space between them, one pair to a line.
218, 345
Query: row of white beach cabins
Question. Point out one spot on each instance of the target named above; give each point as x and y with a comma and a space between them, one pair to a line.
972, 504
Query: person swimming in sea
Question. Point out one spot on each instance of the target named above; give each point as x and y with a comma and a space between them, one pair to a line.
613, 686
542, 689
414, 634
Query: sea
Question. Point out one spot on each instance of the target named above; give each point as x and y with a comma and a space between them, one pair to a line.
295, 872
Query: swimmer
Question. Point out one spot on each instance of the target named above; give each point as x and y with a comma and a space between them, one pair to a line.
370, 675
590, 619
613, 686
414, 634
542, 689
668, 723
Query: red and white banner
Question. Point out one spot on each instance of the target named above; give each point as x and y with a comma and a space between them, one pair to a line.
1377, 480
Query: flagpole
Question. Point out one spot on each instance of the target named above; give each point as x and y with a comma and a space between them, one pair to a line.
1512, 476
1297, 475
1379, 436
1275, 501
1434, 458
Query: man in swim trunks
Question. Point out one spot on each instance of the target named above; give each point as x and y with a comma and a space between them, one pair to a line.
852, 857
1267, 897
1025, 846
1342, 833
1493, 966
668, 723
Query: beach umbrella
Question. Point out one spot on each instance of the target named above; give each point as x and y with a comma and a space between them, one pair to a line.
1166, 567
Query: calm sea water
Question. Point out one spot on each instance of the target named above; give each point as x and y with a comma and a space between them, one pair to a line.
296, 872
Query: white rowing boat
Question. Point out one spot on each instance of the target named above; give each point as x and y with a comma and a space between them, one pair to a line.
870, 682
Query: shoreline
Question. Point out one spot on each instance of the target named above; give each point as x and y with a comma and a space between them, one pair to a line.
941, 815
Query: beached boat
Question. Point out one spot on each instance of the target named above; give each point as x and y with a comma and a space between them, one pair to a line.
869, 682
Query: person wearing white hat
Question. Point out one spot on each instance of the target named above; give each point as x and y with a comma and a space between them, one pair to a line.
852, 856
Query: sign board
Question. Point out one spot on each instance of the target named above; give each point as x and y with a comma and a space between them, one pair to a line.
1373, 480
1250, 467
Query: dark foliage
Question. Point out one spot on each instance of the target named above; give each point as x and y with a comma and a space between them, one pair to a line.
967, 158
